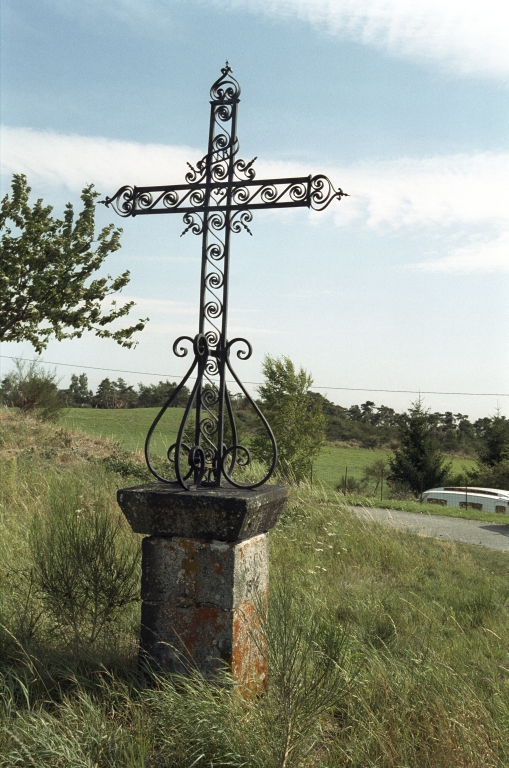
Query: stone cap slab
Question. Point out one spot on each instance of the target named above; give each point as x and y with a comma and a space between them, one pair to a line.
224, 514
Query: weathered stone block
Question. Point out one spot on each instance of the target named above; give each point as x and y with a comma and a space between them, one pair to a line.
198, 571
205, 570
200, 602
225, 514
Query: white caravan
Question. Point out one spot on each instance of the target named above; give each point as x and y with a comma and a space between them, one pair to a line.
481, 499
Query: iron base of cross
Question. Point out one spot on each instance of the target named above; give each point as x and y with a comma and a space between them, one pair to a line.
197, 465
217, 200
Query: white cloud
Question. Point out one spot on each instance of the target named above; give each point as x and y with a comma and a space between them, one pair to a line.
409, 192
476, 257
464, 193
74, 160
469, 36
440, 190
406, 192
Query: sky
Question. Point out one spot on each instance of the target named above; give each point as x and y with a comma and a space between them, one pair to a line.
403, 285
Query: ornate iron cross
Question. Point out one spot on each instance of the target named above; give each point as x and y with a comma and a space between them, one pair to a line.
217, 199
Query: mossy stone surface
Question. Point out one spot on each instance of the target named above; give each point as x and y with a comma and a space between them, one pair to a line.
223, 514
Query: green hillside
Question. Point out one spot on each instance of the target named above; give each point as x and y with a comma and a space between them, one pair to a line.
129, 428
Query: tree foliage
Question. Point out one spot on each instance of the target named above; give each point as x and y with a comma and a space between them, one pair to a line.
155, 395
78, 389
418, 463
32, 389
296, 417
492, 470
45, 270
494, 440
114, 394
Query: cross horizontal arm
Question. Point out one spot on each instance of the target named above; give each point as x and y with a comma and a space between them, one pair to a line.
315, 192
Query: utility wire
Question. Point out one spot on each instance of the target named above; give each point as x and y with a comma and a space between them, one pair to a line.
258, 383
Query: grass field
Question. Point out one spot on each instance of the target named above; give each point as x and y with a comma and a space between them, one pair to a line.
129, 428
386, 649
330, 465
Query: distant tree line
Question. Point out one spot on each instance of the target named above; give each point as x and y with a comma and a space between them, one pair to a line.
119, 394
302, 420
375, 426
368, 425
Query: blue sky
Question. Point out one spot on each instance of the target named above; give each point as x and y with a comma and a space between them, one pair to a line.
403, 285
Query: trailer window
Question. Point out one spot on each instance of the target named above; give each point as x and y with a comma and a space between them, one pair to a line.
470, 505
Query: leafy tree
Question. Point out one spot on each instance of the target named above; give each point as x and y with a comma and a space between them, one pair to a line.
486, 476
45, 266
115, 394
355, 413
79, 390
375, 472
125, 396
155, 395
105, 395
367, 411
418, 463
32, 388
295, 416
492, 470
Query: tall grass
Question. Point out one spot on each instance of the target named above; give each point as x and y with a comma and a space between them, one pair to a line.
385, 649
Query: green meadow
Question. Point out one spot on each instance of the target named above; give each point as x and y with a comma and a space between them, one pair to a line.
129, 428
334, 459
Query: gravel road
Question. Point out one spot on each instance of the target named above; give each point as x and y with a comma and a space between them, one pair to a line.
491, 535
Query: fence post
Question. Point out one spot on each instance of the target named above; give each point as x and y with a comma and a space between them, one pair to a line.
382, 485
346, 480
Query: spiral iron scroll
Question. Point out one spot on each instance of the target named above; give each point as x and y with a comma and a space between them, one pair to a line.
316, 192
205, 465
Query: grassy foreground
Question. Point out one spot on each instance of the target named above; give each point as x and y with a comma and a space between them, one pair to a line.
386, 649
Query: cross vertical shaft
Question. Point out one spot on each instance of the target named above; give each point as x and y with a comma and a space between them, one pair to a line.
213, 319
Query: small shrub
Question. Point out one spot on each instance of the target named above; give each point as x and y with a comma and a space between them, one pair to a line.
85, 564
124, 465
32, 389
307, 678
350, 485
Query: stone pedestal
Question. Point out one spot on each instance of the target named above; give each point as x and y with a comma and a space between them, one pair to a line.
205, 570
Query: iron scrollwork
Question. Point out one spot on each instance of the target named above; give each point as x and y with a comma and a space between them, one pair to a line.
218, 198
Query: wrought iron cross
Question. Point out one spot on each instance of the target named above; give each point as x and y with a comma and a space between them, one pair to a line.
217, 199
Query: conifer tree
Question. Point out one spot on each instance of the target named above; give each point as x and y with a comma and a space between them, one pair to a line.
418, 463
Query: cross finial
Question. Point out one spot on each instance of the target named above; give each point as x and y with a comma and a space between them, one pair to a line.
226, 69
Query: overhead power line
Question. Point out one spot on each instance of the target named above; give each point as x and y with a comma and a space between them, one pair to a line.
257, 383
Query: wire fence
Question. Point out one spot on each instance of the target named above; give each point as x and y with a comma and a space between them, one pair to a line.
351, 479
